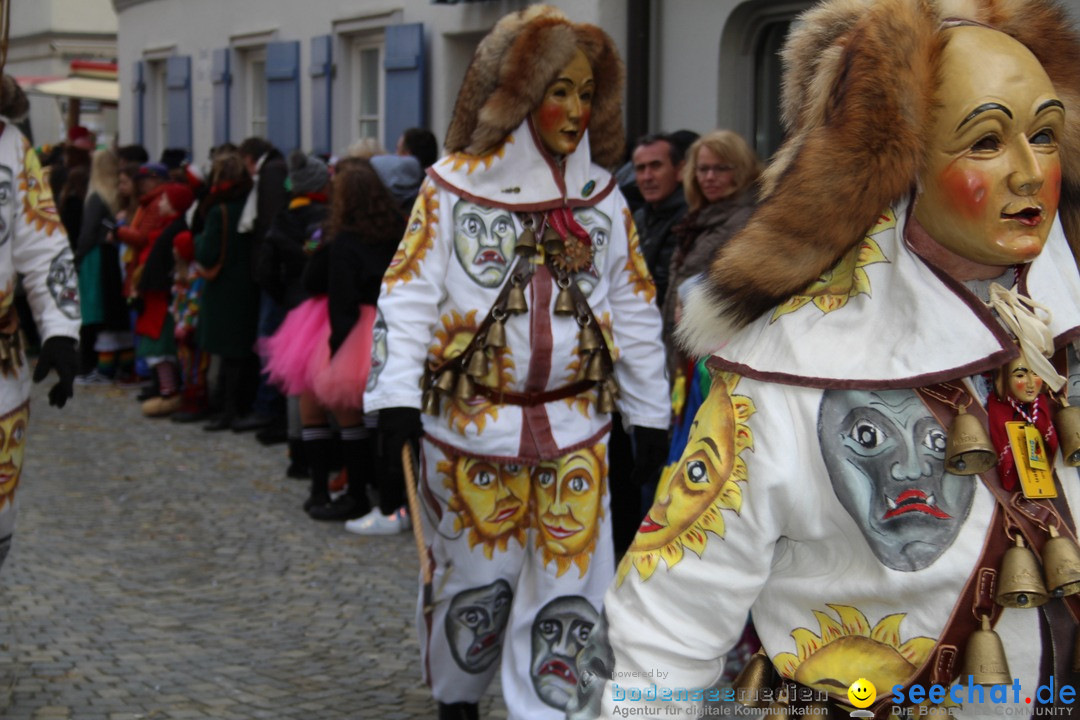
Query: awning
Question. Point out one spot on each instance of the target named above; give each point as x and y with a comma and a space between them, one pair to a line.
83, 88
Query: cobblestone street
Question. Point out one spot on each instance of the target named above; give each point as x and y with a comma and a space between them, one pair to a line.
159, 571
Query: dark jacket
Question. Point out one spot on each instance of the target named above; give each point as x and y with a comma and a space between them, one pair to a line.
230, 301
271, 198
281, 258
654, 226
697, 240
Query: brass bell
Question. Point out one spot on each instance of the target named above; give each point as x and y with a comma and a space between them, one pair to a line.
526, 243
968, 450
1067, 424
564, 301
984, 658
1061, 564
464, 389
496, 335
752, 682
1020, 584
553, 244
605, 401
430, 403
596, 368
478, 365
515, 300
588, 341
446, 380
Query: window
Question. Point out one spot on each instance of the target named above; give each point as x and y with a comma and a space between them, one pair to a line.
768, 132
156, 108
367, 97
255, 91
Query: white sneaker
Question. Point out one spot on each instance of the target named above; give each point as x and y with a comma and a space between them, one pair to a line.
375, 523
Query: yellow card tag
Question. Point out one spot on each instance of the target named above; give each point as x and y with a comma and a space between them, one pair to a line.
1036, 480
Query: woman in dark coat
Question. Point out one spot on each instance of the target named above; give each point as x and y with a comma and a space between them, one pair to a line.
230, 301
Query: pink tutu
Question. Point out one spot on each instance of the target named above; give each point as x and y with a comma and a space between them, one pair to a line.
300, 349
341, 384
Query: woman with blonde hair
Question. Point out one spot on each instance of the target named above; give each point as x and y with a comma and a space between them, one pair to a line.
106, 327
718, 179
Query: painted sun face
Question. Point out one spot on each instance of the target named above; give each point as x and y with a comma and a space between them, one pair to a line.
569, 495
484, 240
559, 633
12, 442
379, 350
7, 203
475, 623
640, 278
39, 208
63, 283
1021, 382
418, 239
991, 186
598, 226
562, 116
885, 455
495, 496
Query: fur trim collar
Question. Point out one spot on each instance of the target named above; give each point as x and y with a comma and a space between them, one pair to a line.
859, 86
512, 68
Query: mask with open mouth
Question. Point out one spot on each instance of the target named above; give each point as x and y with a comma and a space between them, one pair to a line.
484, 240
559, 633
885, 454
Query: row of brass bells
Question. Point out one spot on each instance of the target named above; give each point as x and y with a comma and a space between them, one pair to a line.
589, 341
564, 301
968, 450
984, 658
553, 244
1021, 584
515, 299
477, 367
496, 332
1061, 564
1067, 424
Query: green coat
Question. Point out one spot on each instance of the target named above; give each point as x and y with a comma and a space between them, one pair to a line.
230, 303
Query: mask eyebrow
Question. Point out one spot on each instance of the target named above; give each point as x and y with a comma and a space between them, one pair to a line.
1049, 104
986, 107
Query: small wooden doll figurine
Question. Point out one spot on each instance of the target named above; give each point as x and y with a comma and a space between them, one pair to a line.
1019, 416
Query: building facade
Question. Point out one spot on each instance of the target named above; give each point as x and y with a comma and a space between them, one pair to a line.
320, 74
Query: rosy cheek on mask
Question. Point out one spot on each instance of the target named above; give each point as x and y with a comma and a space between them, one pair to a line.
550, 116
965, 191
1051, 192
585, 116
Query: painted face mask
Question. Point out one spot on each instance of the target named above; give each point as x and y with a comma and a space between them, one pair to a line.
475, 623
484, 241
559, 633
562, 116
885, 455
991, 186
569, 505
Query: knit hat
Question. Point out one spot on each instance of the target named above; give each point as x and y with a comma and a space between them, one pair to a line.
153, 170
80, 137
401, 174
307, 173
180, 196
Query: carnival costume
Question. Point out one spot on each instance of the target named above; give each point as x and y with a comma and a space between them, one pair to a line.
520, 299
32, 245
819, 489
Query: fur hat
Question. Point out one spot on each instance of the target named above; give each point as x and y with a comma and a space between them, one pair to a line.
307, 173
512, 68
858, 102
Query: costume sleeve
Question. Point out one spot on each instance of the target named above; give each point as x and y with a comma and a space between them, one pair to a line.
40, 250
684, 589
412, 291
132, 233
636, 328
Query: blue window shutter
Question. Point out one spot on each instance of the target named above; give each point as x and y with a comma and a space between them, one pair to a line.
138, 91
406, 99
221, 77
283, 95
322, 75
178, 85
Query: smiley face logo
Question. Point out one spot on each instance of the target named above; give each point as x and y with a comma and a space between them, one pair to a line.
862, 693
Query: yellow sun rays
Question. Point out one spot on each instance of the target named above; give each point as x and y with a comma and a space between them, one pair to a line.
847, 647
464, 521
845, 280
419, 238
695, 535
39, 207
472, 162
641, 281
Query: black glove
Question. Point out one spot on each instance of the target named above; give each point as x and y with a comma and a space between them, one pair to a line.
650, 454
59, 354
397, 426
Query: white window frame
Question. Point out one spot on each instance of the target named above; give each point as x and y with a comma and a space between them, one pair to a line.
157, 138
359, 48
255, 100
